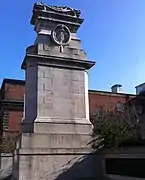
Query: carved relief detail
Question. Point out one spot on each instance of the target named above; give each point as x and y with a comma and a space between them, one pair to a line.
61, 36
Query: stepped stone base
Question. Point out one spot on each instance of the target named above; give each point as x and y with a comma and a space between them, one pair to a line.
52, 154
45, 166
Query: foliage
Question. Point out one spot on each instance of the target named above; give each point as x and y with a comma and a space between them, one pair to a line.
113, 128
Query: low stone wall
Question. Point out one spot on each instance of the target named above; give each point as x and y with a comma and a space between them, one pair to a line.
6, 166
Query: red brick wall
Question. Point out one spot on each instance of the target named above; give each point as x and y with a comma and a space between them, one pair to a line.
15, 118
106, 100
14, 92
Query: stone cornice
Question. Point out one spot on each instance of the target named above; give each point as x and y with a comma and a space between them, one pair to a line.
32, 59
56, 14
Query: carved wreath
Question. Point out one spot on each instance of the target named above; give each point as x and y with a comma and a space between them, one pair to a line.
61, 35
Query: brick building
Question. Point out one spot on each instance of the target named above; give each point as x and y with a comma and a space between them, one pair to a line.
11, 105
12, 96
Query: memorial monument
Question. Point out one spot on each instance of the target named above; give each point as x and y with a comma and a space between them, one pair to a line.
56, 130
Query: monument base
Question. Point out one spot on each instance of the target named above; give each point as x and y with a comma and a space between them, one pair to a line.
44, 165
52, 154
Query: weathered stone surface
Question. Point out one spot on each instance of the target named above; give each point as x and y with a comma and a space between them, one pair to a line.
61, 127
5, 165
56, 90
56, 141
60, 167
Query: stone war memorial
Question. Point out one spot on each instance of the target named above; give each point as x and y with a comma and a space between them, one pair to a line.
56, 131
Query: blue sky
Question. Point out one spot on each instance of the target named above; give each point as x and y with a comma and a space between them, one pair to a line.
113, 35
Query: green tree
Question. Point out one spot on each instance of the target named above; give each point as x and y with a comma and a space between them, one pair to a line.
114, 128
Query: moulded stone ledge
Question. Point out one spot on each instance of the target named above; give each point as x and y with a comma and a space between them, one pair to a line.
37, 140
62, 128
47, 151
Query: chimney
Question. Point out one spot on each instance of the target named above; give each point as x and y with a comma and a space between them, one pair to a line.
117, 88
140, 89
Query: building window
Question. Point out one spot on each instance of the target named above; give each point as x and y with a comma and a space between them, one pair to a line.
119, 107
5, 120
100, 112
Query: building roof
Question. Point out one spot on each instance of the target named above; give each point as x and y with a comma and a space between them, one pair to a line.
140, 85
110, 93
12, 81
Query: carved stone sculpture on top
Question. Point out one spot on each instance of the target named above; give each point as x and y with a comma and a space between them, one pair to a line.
61, 9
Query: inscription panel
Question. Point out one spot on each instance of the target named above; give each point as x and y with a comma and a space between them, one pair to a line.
61, 93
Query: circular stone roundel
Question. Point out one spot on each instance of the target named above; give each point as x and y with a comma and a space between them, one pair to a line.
61, 35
